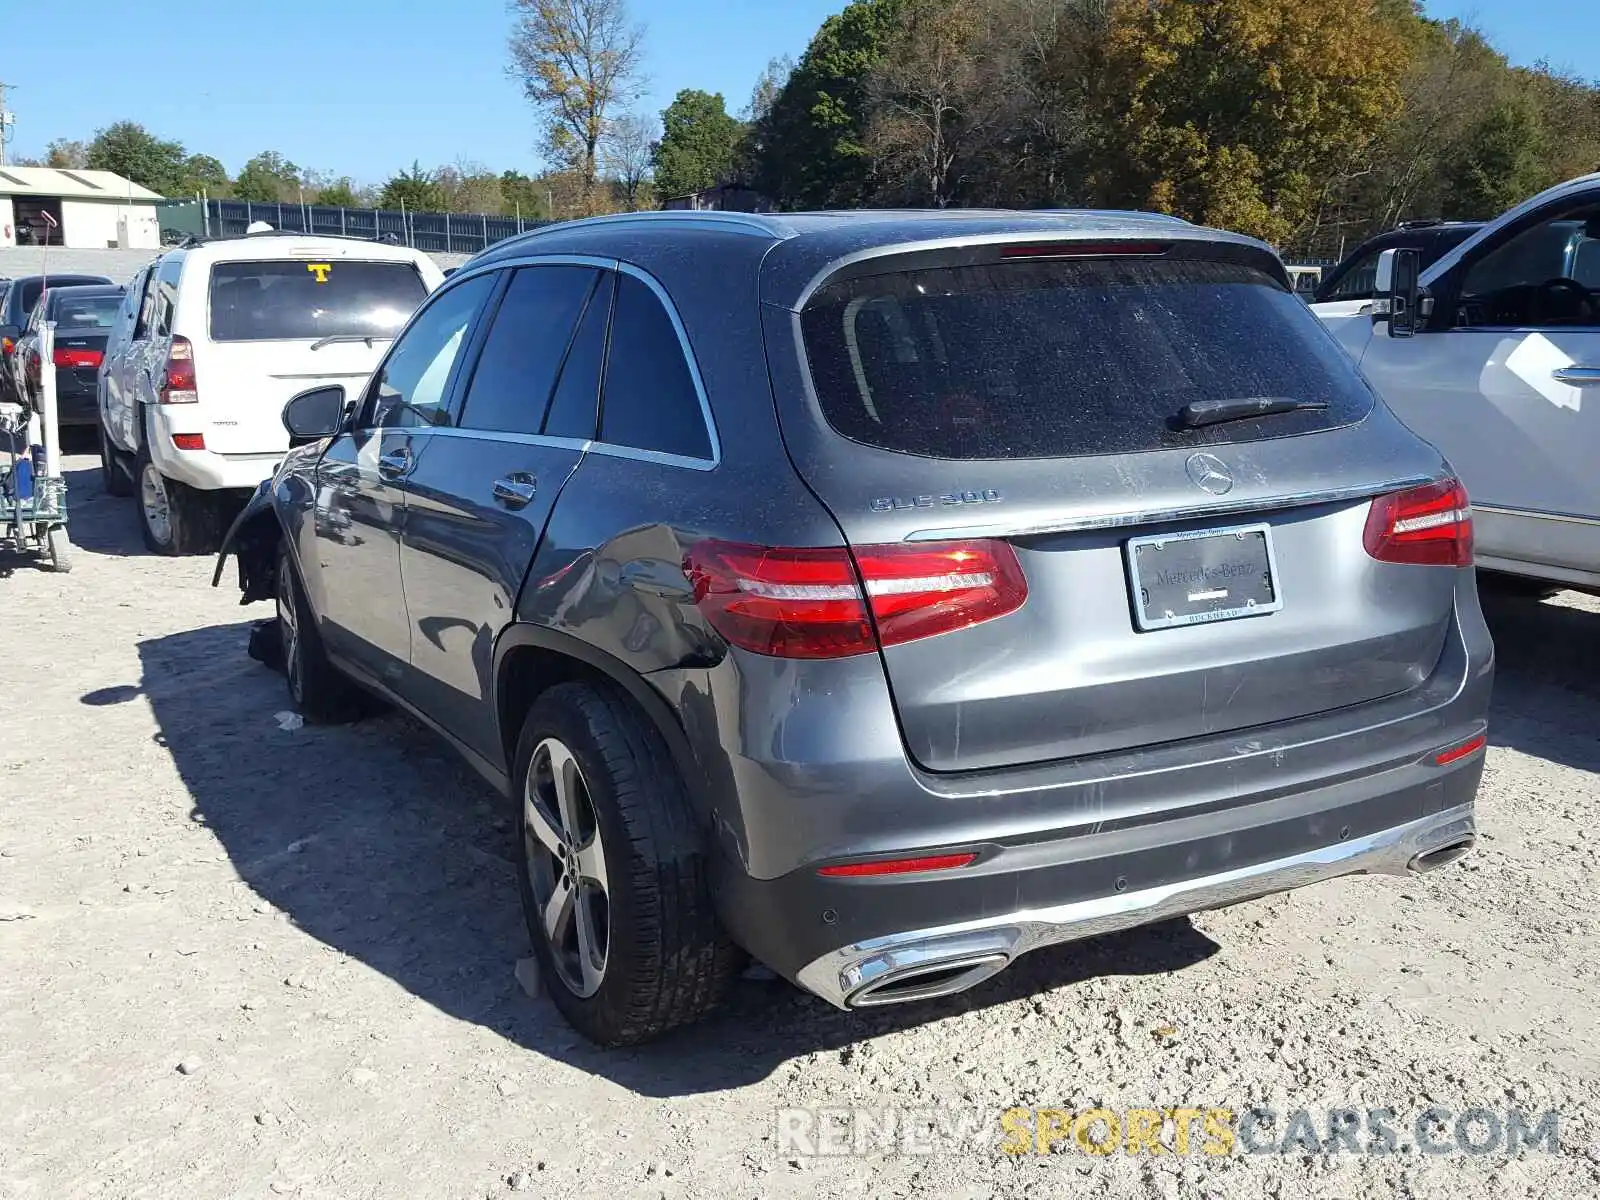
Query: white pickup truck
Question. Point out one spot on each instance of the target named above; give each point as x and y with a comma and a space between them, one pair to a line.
1493, 354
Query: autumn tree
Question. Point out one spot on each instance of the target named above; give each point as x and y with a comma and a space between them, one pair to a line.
578, 62
468, 187
1231, 111
339, 193
699, 142
63, 152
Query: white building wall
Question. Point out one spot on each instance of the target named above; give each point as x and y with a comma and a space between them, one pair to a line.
96, 224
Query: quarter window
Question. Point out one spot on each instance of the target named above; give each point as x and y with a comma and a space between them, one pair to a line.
650, 401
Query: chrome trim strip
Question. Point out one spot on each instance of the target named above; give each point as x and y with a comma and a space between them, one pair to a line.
1578, 376
1534, 515
1184, 513
840, 974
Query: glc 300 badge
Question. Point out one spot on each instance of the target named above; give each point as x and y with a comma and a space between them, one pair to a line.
949, 499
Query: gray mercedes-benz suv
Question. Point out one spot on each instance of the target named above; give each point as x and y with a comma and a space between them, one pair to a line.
886, 594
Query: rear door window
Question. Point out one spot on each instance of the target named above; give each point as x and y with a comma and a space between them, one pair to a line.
516, 372
650, 401
577, 398
1058, 359
308, 299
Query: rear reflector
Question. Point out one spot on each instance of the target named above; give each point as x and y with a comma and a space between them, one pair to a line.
821, 603
189, 441
1456, 753
7, 346
178, 382
68, 357
1428, 526
1083, 249
898, 866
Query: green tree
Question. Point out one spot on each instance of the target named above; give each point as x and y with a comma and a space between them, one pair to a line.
269, 178
133, 152
698, 145
341, 193
201, 172
812, 142
522, 196
417, 190
1505, 161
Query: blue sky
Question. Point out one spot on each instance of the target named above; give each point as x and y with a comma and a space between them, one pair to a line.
363, 87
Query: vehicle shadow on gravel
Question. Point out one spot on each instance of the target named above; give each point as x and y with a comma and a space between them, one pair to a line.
99, 522
1547, 678
375, 840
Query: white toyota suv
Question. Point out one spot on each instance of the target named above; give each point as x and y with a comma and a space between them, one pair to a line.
211, 341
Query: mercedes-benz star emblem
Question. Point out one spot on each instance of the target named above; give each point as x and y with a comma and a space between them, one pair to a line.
1210, 473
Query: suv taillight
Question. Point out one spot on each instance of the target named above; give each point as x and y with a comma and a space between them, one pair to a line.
1429, 525
177, 382
832, 603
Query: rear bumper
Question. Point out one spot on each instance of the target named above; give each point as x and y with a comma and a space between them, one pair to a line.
203, 469
934, 960
816, 774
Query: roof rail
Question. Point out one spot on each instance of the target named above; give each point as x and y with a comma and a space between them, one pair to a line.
755, 223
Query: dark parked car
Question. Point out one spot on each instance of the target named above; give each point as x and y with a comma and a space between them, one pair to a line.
83, 315
20, 297
886, 594
1353, 278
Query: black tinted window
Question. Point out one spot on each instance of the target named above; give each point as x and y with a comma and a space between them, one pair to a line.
411, 386
650, 401
1055, 359
517, 369
1356, 283
577, 398
258, 301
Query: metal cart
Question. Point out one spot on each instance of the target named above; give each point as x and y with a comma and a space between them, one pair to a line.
33, 505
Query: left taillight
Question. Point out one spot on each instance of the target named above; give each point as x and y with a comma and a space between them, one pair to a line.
7, 346
830, 602
178, 383
69, 357
1427, 526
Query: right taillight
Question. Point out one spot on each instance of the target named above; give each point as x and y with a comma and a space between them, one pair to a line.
1429, 526
827, 603
178, 382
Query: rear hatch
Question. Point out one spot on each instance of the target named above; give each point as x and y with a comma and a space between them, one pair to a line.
1184, 576
276, 327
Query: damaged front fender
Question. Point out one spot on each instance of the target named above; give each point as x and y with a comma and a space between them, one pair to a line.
253, 539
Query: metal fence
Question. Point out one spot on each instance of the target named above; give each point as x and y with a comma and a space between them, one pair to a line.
446, 233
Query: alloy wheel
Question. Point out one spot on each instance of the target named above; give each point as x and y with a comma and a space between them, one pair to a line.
289, 629
567, 867
157, 504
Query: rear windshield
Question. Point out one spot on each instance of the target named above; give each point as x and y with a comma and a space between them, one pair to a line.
29, 290
85, 312
1057, 359
288, 300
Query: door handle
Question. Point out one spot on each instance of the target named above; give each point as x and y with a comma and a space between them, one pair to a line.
516, 490
396, 463
1578, 376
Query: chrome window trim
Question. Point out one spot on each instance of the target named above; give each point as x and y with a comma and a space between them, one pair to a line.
598, 445
1533, 514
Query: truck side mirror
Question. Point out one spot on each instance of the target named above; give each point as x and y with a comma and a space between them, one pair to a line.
1396, 292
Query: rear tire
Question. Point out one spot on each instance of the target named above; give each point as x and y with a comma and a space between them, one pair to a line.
622, 837
175, 519
319, 691
113, 468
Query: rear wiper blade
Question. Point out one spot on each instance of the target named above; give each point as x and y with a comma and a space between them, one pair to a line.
347, 337
1241, 408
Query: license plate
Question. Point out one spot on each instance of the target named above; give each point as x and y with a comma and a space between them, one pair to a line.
1207, 575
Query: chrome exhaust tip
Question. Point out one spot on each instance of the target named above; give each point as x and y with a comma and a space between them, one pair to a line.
1443, 856
928, 981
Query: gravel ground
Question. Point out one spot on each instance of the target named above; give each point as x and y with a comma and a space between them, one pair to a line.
242, 961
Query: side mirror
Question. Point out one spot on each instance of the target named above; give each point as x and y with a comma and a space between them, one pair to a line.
315, 414
1397, 295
